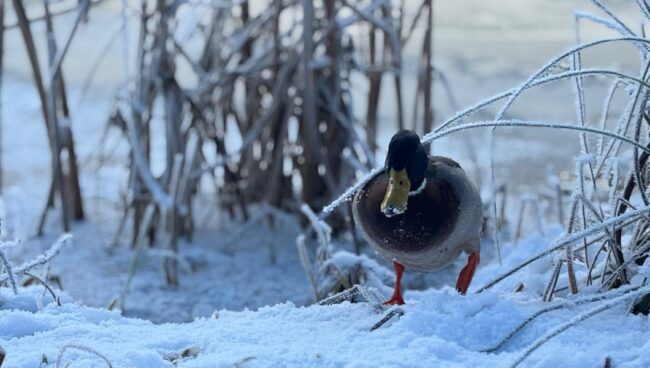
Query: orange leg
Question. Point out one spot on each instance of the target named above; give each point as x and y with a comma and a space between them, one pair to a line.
465, 276
397, 292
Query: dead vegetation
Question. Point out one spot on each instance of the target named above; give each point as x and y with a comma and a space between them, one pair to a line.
277, 80
83, 348
10, 273
275, 76
64, 185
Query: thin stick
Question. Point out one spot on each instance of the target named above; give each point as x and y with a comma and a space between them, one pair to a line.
10, 272
54, 297
581, 317
552, 282
394, 312
562, 242
306, 264
42, 259
143, 167
42, 18
2, 38
57, 60
573, 284
536, 124
565, 304
59, 358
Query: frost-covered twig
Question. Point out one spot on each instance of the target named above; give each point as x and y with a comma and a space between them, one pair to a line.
567, 239
605, 114
366, 15
347, 195
530, 80
139, 245
536, 124
392, 313
323, 231
306, 263
621, 27
621, 127
140, 161
59, 358
57, 59
602, 21
566, 304
581, 317
349, 295
640, 252
573, 284
537, 82
637, 114
576, 64
552, 282
42, 259
47, 287
643, 5
618, 255
543, 70
10, 273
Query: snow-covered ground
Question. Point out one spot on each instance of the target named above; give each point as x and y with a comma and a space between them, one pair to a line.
438, 328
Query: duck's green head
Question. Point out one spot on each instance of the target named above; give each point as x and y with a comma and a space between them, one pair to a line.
406, 165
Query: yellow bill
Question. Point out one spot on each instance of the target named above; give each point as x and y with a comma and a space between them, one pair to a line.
397, 194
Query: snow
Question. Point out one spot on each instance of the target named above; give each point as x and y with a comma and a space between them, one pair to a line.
438, 328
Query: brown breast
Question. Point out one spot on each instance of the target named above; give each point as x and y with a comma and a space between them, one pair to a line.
428, 220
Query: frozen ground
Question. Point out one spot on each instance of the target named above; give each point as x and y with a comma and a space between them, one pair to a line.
439, 328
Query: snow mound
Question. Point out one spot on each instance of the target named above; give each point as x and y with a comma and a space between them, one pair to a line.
438, 328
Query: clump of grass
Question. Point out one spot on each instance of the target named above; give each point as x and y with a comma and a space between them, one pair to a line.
338, 276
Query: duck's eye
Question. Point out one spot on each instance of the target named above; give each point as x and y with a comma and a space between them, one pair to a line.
401, 183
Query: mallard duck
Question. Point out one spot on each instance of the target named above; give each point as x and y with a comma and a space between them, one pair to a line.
421, 212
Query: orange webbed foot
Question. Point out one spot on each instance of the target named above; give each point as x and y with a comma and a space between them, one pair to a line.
395, 300
397, 292
467, 273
